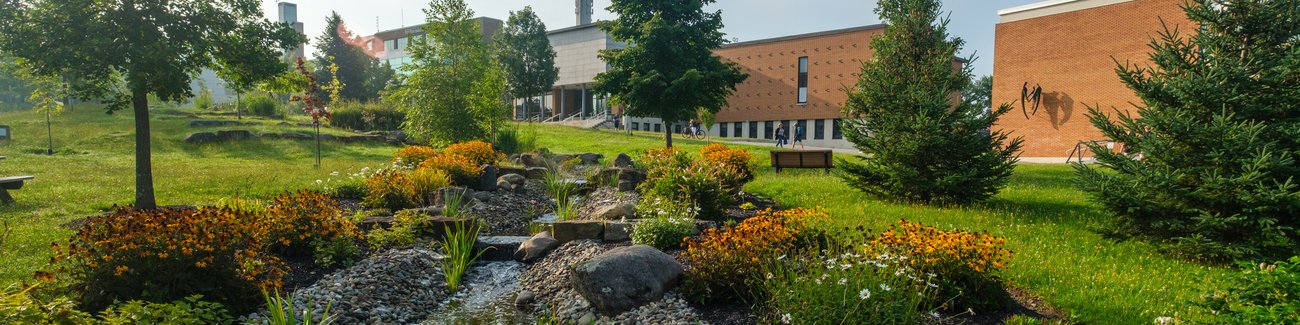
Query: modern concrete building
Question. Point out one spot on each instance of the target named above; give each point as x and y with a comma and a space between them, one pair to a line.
576, 50
797, 80
390, 45
288, 13
1069, 50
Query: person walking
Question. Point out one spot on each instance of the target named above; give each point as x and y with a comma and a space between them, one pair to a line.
798, 136
780, 135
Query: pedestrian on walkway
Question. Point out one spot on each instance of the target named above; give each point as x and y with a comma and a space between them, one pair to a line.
798, 136
780, 135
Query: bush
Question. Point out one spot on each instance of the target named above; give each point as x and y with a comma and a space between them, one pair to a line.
710, 189
478, 152
412, 156
170, 254
189, 311
461, 170
965, 262
349, 186
1260, 294
204, 99
263, 105
17, 306
303, 222
426, 181
373, 116
808, 288
737, 160
389, 189
724, 264
511, 140
407, 225
662, 233
653, 206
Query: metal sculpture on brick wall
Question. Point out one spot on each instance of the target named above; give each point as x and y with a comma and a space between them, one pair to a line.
1030, 97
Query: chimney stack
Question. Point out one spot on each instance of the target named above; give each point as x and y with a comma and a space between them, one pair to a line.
584, 11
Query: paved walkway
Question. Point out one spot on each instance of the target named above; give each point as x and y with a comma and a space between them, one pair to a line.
772, 144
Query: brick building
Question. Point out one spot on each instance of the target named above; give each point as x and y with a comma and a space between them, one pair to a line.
793, 80
1069, 48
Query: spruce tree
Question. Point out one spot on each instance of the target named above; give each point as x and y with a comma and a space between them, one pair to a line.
355, 69
1209, 171
919, 143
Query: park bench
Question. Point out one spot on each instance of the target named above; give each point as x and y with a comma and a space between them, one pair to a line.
782, 159
11, 183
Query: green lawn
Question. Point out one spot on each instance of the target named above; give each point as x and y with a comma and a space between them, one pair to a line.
1045, 219
94, 170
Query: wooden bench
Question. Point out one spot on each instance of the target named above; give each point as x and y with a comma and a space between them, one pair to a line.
782, 159
11, 183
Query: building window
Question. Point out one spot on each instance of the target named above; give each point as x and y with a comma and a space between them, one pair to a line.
835, 130
753, 129
788, 131
737, 128
658, 128
403, 43
803, 80
677, 128
819, 129
767, 130
722, 130
636, 126
390, 44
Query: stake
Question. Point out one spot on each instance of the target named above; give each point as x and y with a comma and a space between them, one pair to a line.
317, 143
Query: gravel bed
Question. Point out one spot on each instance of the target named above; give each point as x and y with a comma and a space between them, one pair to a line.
508, 213
399, 286
603, 197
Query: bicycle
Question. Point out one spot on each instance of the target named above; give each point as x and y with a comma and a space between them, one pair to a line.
699, 134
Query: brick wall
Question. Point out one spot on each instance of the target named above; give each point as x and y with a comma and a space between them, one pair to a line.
1073, 57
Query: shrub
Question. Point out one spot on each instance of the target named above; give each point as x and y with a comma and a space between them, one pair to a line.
653, 206
426, 181
462, 170
412, 156
965, 262
189, 311
373, 116
710, 189
170, 254
737, 160
511, 140
478, 152
204, 99
17, 306
348, 117
1260, 294
662, 233
263, 105
407, 225
301, 222
725, 263
338, 251
808, 288
389, 189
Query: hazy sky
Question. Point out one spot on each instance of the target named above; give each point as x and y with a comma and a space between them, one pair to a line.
972, 20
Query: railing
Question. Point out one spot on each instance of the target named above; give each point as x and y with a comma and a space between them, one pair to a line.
1082, 148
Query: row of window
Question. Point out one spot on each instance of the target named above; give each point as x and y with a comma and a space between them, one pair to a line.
818, 130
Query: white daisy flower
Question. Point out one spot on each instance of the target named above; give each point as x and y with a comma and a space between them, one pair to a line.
884, 287
864, 294
785, 319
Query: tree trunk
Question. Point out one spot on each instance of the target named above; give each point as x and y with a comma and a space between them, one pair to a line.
237, 102
668, 134
143, 163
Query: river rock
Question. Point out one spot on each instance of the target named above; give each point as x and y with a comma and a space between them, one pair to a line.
616, 211
524, 298
536, 172
533, 160
511, 182
536, 247
618, 231
624, 278
487, 178
590, 158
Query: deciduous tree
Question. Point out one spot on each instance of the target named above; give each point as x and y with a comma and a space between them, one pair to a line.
154, 46
668, 69
526, 55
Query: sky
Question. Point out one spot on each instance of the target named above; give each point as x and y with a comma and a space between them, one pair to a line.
745, 20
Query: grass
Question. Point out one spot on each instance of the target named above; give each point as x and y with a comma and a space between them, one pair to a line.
1045, 219
93, 170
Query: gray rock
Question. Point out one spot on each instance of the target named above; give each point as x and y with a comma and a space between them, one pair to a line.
623, 161
626, 186
533, 160
499, 248
524, 298
618, 231
235, 135
625, 278
487, 178
616, 211
514, 178
506, 170
536, 247
566, 231
536, 172
201, 137
371, 223
511, 182
590, 158
205, 123
587, 318
504, 185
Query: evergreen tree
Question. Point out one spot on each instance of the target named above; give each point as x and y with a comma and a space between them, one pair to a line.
526, 55
980, 92
451, 79
918, 143
1210, 170
669, 70
356, 69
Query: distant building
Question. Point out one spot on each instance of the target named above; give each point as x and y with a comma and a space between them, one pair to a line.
1069, 48
390, 45
288, 13
207, 78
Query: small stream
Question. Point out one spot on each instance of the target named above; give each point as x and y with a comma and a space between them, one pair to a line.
487, 297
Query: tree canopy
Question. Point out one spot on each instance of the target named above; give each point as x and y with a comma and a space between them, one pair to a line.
526, 55
918, 143
668, 70
1209, 169
454, 91
121, 52
364, 76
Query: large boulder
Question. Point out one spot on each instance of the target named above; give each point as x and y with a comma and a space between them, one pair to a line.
536, 247
623, 161
567, 231
590, 158
625, 278
487, 178
536, 173
201, 137
235, 135
533, 160
616, 211
511, 182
